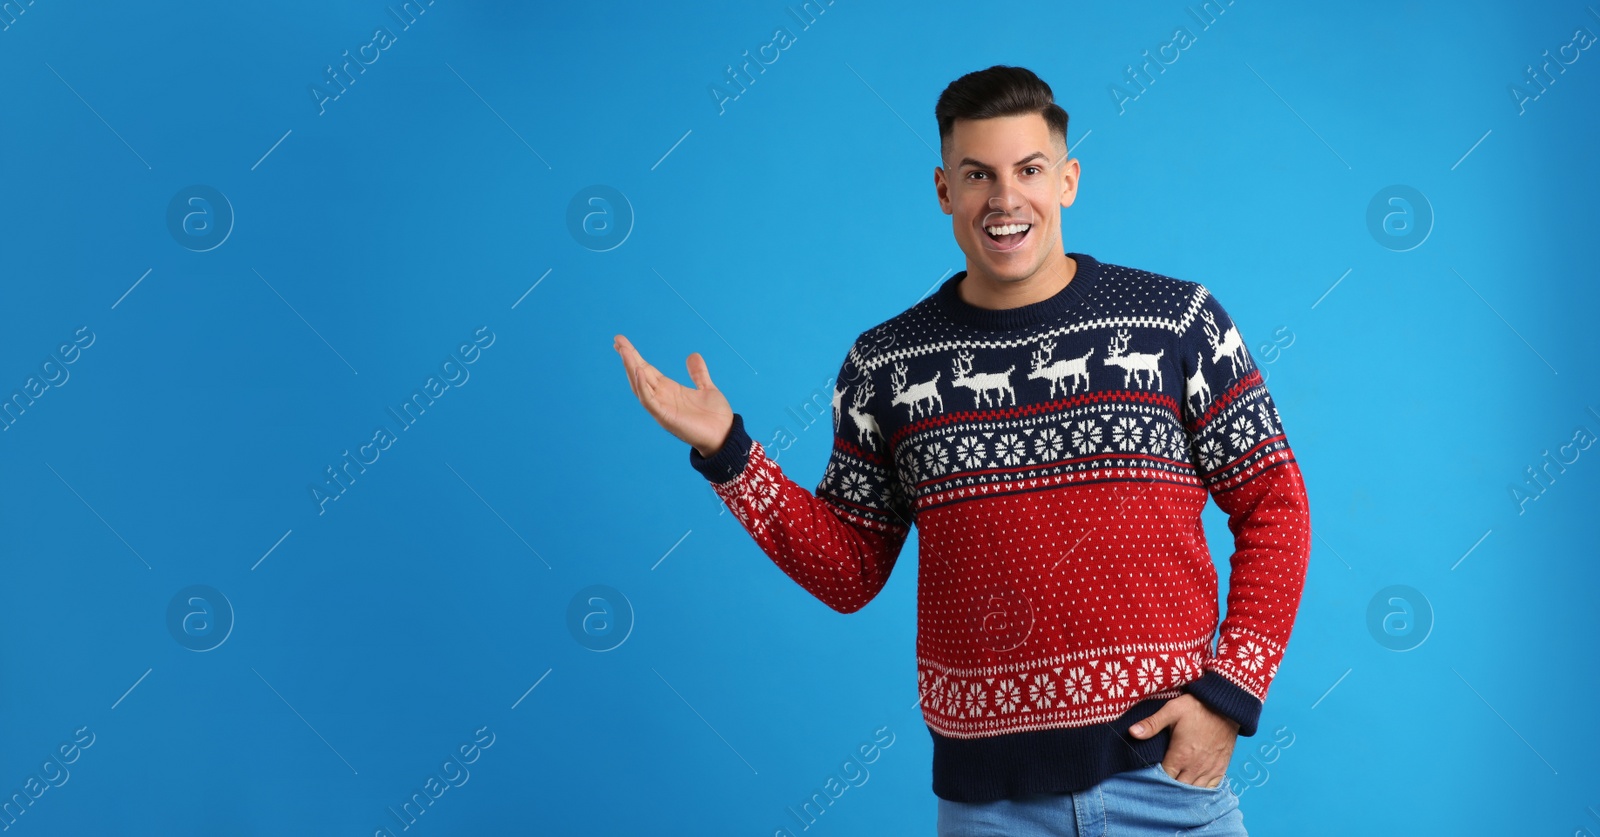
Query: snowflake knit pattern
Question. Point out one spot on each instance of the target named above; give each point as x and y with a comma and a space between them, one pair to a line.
1055, 459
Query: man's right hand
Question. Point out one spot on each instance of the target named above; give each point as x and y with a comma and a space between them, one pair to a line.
701, 416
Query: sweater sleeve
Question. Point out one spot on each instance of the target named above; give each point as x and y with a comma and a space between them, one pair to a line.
841, 542
1238, 446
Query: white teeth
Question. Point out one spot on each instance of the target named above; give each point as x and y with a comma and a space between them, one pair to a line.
1007, 229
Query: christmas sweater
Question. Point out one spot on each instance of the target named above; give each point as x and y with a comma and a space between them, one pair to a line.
1055, 458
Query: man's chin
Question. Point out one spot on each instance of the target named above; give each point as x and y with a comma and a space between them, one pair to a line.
1008, 267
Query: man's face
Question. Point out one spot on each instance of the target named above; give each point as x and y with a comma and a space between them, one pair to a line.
1006, 184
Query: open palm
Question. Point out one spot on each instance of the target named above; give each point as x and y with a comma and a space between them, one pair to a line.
700, 416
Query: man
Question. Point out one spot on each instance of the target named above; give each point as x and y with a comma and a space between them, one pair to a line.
1053, 425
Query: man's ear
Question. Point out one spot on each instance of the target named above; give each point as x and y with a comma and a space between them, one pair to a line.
1069, 181
941, 188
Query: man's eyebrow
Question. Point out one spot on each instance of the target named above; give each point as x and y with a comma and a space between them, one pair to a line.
968, 161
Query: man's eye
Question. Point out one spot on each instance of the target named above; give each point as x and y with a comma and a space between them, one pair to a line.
975, 174
1034, 168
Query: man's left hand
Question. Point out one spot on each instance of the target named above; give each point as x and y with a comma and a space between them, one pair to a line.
1202, 740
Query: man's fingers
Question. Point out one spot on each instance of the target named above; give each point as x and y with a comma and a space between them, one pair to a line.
1190, 776
1151, 725
623, 347
646, 389
630, 355
631, 367
698, 371
641, 375
643, 379
657, 392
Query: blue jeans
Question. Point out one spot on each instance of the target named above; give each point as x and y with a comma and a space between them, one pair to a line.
1144, 802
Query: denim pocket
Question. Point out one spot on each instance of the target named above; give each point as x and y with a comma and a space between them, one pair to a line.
1162, 774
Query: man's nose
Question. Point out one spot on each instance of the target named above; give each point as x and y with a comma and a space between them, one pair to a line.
1007, 200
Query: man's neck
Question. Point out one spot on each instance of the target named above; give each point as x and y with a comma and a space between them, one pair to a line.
987, 292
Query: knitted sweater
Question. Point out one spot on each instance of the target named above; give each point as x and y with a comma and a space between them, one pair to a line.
1055, 458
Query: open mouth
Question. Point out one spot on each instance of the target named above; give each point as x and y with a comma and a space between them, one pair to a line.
1007, 236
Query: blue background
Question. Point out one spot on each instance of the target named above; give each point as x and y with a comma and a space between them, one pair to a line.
433, 198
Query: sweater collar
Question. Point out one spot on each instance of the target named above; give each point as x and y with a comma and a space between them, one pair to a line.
1024, 316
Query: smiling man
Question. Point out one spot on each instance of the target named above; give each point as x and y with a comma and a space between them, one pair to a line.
1053, 425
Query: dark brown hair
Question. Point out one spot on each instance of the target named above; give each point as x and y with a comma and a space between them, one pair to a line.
998, 91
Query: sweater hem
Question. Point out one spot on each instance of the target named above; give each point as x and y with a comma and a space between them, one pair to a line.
1054, 761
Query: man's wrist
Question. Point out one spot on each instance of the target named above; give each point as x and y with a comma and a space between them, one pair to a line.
728, 459
1232, 724
1227, 699
722, 440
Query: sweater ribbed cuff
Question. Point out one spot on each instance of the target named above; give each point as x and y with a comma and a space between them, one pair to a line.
729, 460
1224, 696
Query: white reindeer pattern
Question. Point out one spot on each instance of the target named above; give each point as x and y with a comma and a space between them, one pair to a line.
1196, 384
1133, 363
914, 395
866, 425
1225, 345
1075, 368
981, 383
